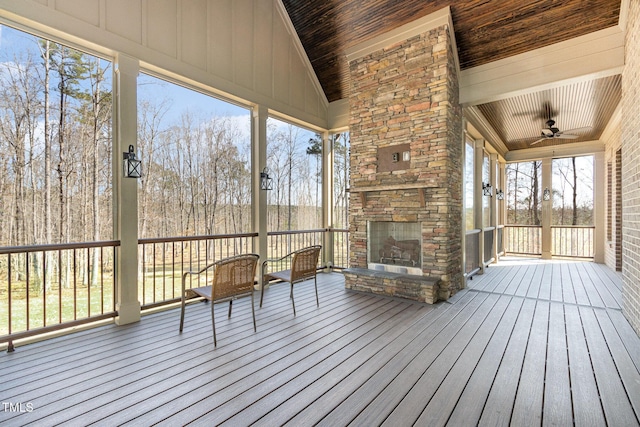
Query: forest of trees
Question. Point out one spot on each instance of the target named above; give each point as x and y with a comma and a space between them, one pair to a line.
56, 155
572, 192
55, 146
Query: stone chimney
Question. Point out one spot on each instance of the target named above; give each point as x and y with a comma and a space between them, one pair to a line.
406, 165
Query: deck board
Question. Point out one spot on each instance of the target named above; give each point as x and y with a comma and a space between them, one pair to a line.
498, 405
439, 409
529, 342
412, 405
615, 401
584, 391
557, 392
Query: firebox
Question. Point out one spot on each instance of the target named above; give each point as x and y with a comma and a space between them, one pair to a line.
394, 247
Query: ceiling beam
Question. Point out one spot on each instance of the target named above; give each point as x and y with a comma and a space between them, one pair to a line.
591, 56
555, 151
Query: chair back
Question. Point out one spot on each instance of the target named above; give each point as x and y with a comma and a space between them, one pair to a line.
305, 262
234, 276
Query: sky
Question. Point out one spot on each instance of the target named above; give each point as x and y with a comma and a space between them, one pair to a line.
15, 43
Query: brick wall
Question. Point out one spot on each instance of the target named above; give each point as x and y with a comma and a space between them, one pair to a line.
631, 169
407, 93
613, 244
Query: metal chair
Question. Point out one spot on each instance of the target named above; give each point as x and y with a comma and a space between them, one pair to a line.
233, 278
304, 264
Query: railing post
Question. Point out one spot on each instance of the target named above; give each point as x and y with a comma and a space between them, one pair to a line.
125, 190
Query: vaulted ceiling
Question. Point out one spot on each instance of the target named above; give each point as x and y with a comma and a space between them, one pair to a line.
485, 31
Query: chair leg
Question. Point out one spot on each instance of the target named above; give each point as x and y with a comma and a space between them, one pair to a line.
292, 300
230, 304
261, 292
253, 313
213, 323
315, 282
182, 313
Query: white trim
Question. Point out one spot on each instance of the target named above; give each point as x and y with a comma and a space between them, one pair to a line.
595, 55
478, 121
429, 22
557, 151
300, 49
614, 124
624, 15
338, 114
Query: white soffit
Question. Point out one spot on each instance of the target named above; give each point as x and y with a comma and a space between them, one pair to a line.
595, 55
426, 23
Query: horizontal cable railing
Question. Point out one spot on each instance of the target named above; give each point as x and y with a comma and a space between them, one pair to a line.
574, 241
44, 288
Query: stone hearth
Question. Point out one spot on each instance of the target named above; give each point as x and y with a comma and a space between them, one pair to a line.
406, 163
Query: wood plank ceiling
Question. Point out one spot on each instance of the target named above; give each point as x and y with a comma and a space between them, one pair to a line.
485, 31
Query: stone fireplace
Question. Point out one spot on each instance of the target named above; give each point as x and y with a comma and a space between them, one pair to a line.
406, 166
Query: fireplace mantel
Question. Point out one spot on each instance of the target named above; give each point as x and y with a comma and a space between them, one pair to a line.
363, 191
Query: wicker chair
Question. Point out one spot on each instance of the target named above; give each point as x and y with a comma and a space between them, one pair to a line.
304, 264
233, 277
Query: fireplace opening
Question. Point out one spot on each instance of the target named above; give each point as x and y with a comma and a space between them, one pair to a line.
394, 247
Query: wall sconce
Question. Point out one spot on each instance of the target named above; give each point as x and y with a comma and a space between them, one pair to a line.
500, 195
487, 190
546, 194
266, 183
131, 167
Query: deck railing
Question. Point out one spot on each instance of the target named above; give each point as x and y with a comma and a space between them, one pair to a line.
49, 287
566, 240
162, 262
523, 239
340, 248
575, 241
44, 288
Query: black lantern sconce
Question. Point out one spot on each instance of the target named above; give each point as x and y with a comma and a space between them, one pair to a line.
487, 189
266, 183
500, 195
546, 194
131, 166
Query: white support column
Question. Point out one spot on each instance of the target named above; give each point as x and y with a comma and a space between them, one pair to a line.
327, 198
477, 198
547, 207
502, 204
493, 177
125, 190
599, 207
258, 196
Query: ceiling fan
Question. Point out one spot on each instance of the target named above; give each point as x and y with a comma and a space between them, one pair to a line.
551, 132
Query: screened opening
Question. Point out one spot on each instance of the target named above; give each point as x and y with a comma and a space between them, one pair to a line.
294, 161
196, 156
55, 142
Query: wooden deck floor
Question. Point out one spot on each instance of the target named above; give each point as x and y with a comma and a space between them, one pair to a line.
527, 343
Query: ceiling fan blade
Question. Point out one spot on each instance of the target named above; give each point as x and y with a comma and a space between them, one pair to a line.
565, 136
535, 142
